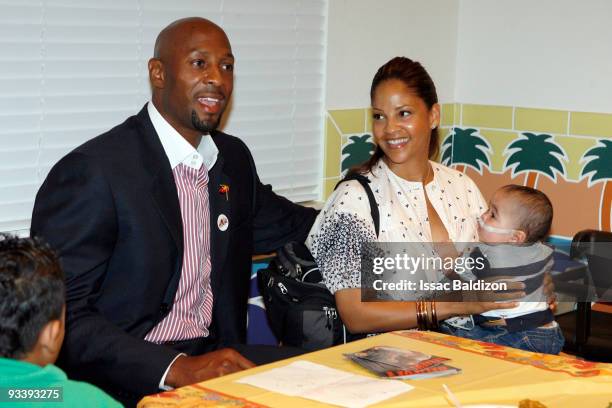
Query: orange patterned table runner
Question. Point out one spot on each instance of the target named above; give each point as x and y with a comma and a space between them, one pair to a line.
571, 366
195, 396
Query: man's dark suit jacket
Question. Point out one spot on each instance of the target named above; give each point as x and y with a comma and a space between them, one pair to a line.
111, 210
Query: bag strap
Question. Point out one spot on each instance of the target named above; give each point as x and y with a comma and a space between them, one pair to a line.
365, 183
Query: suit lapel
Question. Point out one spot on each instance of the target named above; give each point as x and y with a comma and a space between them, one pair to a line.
220, 210
163, 188
165, 196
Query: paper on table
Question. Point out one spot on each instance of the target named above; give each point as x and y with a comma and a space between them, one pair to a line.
320, 383
295, 378
358, 391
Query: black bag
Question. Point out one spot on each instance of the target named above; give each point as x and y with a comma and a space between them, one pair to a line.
301, 310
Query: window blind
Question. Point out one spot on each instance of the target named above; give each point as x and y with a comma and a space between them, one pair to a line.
72, 69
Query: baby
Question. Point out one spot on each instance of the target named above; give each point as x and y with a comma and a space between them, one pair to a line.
511, 233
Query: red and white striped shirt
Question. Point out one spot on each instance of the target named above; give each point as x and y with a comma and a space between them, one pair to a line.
191, 312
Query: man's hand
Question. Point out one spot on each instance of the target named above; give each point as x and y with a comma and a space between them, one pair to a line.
189, 370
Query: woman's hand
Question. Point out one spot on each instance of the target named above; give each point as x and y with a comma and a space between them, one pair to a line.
549, 291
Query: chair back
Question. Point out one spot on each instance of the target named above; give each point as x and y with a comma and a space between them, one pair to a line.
596, 247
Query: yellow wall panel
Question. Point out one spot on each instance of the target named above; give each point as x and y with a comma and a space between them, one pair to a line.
498, 117
541, 120
498, 140
368, 121
349, 120
591, 124
333, 144
575, 147
447, 114
330, 184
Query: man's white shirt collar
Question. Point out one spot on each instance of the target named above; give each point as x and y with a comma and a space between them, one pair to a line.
178, 149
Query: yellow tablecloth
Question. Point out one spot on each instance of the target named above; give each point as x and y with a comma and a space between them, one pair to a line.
491, 374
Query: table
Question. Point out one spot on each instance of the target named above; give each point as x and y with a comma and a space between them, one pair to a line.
491, 374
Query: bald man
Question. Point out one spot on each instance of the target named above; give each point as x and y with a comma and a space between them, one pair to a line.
156, 221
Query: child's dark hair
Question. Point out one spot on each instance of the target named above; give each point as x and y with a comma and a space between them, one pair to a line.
32, 292
536, 213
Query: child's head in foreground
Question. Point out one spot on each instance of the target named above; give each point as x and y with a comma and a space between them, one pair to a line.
516, 214
32, 298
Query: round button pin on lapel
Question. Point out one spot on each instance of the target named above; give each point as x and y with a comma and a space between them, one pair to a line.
222, 222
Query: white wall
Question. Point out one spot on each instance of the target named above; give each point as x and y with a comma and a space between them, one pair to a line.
544, 53
364, 34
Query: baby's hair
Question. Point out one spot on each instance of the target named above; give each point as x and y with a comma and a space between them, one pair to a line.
32, 292
536, 211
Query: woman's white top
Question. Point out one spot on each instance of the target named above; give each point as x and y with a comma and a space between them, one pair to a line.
345, 222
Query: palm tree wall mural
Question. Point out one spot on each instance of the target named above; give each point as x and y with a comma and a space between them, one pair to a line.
463, 147
535, 154
357, 150
599, 169
525, 143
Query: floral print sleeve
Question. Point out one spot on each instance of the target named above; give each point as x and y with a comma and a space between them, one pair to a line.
336, 237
